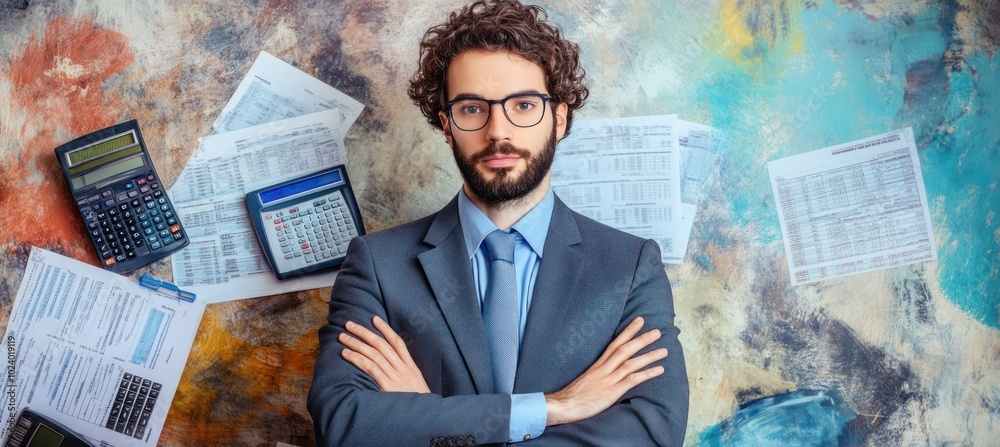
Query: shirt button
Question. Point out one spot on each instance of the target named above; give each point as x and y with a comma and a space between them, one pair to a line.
527, 437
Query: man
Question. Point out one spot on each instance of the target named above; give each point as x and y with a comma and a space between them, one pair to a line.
432, 341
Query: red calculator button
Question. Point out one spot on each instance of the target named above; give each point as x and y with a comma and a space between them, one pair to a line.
175, 228
109, 262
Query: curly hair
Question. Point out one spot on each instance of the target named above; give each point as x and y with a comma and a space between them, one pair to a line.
498, 25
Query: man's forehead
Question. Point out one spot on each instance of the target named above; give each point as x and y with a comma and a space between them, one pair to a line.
493, 74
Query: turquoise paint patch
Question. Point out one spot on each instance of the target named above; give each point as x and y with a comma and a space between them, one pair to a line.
801, 418
960, 170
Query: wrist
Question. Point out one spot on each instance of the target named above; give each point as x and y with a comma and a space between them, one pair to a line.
554, 410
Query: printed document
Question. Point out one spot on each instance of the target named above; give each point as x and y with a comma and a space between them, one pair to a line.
95, 351
699, 148
223, 260
853, 208
625, 173
274, 90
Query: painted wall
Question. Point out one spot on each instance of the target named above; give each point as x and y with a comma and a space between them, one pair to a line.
907, 356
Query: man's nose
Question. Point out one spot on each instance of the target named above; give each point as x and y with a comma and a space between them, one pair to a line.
499, 128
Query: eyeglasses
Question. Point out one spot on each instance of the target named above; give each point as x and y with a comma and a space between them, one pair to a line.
472, 114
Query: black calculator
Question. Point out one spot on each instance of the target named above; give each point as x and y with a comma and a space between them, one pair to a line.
34, 430
305, 224
124, 206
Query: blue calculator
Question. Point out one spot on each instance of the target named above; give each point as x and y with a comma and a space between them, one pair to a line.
305, 224
124, 206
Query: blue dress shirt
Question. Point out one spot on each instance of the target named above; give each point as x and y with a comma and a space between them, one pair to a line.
527, 411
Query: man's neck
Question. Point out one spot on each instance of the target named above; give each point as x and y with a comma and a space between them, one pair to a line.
507, 214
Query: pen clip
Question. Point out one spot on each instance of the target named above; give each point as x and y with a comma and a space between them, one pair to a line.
150, 282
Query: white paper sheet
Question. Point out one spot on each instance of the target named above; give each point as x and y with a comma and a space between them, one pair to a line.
223, 260
76, 331
699, 148
625, 173
852, 208
273, 90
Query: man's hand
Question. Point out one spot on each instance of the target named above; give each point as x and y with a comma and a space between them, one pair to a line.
610, 377
385, 360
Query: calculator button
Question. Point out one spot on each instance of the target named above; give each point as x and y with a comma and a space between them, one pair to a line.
154, 185
129, 185
178, 236
155, 245
107, 193
144, 189
140, 181
109, 262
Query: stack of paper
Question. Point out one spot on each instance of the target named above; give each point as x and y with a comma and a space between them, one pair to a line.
642, 175
280, 124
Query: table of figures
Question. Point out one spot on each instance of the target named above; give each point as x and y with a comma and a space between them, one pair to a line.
863, 215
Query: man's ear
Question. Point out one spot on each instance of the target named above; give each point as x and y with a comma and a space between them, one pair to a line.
560, 111
446, 126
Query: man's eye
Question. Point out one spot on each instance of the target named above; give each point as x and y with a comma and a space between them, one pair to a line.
471, 109
524, 106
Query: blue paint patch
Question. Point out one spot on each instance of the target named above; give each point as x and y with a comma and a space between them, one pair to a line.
801, 418
960, 174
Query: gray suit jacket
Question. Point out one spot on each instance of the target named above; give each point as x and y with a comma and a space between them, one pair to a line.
592, 281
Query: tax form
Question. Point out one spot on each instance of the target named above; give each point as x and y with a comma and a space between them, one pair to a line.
274, 90
852, 208
78, 333
223, 260
625, 173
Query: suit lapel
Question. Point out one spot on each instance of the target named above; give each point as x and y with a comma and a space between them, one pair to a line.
558, 275
450, 276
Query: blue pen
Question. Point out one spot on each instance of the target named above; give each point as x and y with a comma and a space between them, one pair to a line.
150, 282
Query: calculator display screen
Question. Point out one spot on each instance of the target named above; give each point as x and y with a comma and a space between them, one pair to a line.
300, 187
45, 436
108, 171
105, 147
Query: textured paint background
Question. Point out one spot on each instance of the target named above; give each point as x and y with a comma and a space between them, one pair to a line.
907, 356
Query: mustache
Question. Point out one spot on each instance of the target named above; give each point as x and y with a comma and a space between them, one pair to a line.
499, 148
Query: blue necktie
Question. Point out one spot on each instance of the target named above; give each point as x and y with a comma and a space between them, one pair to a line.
501, 310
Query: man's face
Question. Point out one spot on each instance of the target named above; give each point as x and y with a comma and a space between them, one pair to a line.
501, 162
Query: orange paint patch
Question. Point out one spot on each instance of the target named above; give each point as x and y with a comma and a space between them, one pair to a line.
58, 83
237, 390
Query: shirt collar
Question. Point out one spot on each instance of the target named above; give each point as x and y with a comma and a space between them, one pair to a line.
533, 227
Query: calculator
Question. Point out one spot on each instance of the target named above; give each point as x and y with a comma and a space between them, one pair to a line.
125, 209
34, 430
305, 224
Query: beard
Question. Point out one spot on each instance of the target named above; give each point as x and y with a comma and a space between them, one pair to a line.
504, 190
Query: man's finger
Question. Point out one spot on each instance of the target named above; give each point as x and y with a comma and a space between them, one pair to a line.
367, 351
630, 330
624, 352
372, 339
394, 340
364, 364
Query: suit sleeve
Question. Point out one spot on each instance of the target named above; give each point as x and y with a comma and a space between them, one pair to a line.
346, 405
655, 412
